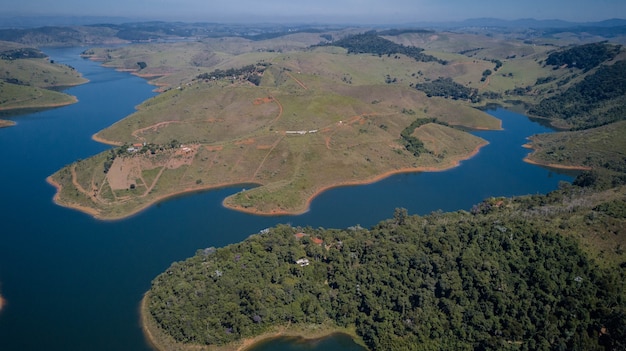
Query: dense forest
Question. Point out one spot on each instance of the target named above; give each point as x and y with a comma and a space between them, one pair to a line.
494, 278
21, 53
252, 73
585, 57
446, 87
372, 43
597, 100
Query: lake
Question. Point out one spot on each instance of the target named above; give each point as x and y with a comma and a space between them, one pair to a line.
74, 283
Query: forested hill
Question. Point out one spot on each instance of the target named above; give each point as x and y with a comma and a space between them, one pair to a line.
499, 278
597, 100
372, 43
585, 57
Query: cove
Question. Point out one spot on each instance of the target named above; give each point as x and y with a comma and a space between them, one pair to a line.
75, 283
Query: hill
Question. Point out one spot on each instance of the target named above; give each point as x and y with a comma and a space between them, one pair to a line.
30, 80
270, 112
305, 110
498, 278
534, 272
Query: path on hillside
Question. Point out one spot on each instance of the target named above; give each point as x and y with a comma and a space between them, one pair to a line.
154, 127
297, 81
267, 155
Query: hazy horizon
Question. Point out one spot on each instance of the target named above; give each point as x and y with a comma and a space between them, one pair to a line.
324, 11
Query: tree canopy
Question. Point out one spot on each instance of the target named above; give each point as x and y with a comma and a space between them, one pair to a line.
372, 43
585, 57
485, 280
597, 100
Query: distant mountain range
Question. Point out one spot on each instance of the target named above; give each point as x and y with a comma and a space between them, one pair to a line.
22, 22
532, 23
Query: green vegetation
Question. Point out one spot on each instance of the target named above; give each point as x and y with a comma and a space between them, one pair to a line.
372, 43
21, 53
27, 78
448, 88
297, 116
498, 278
584, 57
411, 143
599, 99
534, 272
251, 73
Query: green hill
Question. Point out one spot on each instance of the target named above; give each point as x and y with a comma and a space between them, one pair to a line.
498, 278
30, 80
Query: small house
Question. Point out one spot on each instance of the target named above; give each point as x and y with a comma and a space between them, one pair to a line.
303, 262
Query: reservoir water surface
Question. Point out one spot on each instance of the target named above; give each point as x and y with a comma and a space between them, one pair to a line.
74, 283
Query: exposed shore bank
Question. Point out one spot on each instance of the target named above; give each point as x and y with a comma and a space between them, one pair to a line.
5, 123
452, 163
72, 100
91, 211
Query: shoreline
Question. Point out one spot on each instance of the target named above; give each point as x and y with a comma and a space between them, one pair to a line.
96, 138
528, 159
556, 165
56, 199
73, 99
245, 344
454, 162
5, 123
149, 77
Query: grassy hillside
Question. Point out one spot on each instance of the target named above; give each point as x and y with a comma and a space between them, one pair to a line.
305, 115
27, 79
310, 108
597, 148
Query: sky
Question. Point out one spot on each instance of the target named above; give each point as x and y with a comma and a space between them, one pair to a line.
329, 11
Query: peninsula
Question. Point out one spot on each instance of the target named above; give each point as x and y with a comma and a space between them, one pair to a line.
30, 80
289, 119
289, 125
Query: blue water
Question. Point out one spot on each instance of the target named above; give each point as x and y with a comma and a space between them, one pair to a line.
74, 283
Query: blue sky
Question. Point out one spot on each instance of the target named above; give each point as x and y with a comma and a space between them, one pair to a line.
355, 11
